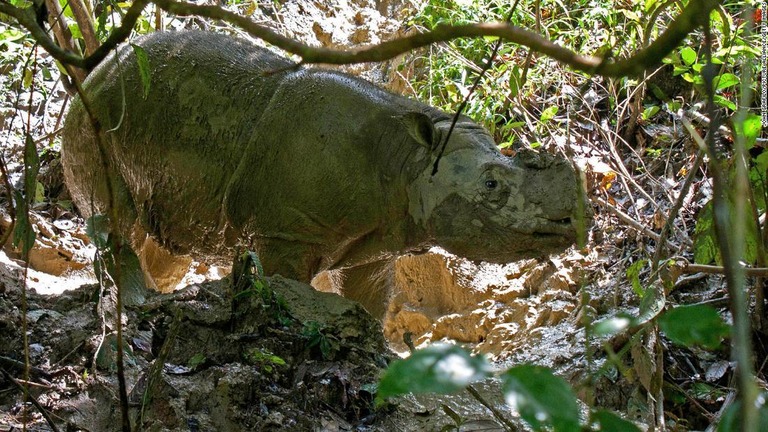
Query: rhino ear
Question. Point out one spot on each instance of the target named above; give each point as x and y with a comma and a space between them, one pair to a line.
421, 128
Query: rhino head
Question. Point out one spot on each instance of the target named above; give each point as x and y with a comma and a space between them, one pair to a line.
485, 206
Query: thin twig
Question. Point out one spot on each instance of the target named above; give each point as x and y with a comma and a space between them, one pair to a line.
496, 413
667, 229
32, 399
471, 91
631, 222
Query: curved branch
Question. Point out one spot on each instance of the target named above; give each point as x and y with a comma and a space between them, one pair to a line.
26, 18
694, 15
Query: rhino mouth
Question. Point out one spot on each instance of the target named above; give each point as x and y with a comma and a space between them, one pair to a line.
547, 228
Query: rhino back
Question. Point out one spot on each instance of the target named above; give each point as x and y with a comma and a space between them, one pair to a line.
328, 165
173, 151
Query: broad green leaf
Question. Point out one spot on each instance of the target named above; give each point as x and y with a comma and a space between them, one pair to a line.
613, 325
705, 250
688, 55
750, 129
673, 106
678, 70
694, 325
705, 247
650, 112
725, 102
23, 234
26, 82
548, 114
39, 196
133, 287
633, 274
143, 61
652, 304
436, 369
75, 29
608, 421
542, 399
726, 80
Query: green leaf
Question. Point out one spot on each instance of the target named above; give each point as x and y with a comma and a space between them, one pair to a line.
548, 114
688, 55
725, 80
439, 368
31, 168
724, 102
694, 325
678, 70
613, 325
143, 61
652, 304
39, 196
542, 399
608, 421
633, 274
650, 112
705, 246
705, 250
749, 129
24, 234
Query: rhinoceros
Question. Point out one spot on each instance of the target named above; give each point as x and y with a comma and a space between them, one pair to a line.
233, 145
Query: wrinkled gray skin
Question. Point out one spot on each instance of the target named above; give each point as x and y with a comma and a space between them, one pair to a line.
314, 170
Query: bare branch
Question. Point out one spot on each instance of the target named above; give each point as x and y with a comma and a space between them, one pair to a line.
694, 15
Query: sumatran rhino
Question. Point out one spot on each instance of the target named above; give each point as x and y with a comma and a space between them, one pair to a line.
313, 169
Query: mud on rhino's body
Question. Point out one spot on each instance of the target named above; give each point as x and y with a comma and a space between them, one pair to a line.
313, 169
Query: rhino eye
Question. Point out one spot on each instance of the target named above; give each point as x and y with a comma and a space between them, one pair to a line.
491, 184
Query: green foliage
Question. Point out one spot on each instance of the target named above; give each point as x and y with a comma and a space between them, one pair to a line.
263, 358
24, 234
197, 360
542, 399
694, 325
731, 421
143, 61
116, 257
608, 421
436, 369
317, 337
584, 26
705, 246
248, 280
633, 274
